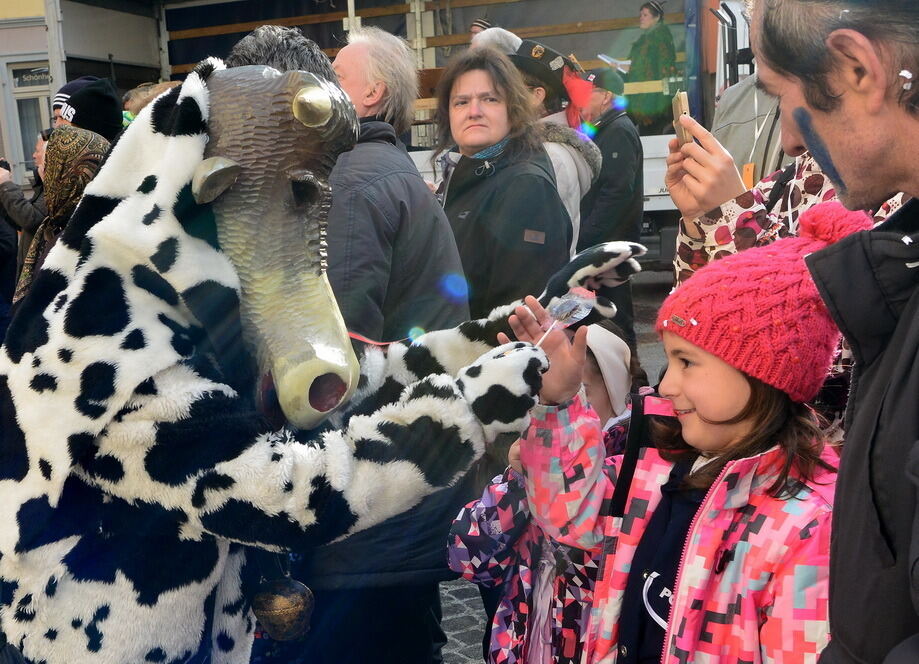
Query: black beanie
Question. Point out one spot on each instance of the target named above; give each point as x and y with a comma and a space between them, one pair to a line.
69, 88
94, 106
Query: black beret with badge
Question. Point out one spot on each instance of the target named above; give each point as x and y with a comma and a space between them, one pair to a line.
543, 63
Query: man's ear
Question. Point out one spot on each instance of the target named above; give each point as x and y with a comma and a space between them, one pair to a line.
861, 68
375, 94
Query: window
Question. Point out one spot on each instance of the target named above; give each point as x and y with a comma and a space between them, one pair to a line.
31, 90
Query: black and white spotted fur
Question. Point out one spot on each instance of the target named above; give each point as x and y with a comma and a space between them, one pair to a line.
135, 473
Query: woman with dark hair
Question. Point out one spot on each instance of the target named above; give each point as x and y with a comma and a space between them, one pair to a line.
510, 225
653, 58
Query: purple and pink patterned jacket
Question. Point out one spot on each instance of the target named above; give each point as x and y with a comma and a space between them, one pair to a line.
494, 543
753, 579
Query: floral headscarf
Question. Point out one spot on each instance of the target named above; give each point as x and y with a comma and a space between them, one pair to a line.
72, 159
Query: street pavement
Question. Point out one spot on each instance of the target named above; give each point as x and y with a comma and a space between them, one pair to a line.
464, 617
464, 620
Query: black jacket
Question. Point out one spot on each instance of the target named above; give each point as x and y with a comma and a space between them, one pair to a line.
873, 293
510, 225
613, 207
390, 246
25, 214
7, 276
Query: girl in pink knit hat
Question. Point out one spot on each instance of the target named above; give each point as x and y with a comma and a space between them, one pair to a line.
714, 525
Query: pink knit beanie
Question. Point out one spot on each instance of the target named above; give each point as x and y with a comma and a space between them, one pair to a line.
760, 311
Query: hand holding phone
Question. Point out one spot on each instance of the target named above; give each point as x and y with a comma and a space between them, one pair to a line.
681, 107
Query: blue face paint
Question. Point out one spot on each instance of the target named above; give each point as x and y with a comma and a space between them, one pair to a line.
818, 148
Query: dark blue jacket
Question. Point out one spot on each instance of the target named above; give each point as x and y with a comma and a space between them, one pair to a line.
391, 250
613, 207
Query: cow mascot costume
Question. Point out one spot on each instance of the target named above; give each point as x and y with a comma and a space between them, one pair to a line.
178, 389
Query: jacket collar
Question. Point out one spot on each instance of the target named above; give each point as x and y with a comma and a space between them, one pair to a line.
740, 478
609, 117
744, 477
374, 129
867, 279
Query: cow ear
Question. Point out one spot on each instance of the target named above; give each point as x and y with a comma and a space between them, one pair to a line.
212, 177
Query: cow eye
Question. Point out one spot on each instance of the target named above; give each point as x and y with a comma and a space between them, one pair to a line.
306, 189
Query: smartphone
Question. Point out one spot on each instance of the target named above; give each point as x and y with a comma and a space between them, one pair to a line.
681, 107
5, 164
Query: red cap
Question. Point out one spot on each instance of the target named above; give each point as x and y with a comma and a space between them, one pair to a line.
760, 311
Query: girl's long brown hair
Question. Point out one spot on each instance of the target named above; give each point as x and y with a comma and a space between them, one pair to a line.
508, 83
777, 420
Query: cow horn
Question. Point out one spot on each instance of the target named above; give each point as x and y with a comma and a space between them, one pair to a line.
313, 106
212, 177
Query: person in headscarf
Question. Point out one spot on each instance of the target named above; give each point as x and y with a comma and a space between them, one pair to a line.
72, 159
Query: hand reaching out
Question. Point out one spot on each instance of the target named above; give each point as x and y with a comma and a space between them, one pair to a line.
566, 359
701, 175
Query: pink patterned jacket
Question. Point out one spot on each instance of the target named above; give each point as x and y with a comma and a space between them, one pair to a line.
752, 583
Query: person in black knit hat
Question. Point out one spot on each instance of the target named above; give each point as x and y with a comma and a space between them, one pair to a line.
89, 103
479, 25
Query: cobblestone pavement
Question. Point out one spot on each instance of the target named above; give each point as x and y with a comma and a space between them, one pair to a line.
464, 621
464, 616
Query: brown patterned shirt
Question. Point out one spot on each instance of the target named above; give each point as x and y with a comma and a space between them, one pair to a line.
749, 221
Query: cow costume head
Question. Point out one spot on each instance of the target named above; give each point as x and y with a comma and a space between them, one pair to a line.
274, 138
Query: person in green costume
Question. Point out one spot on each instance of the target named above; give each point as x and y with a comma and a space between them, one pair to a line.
653, 57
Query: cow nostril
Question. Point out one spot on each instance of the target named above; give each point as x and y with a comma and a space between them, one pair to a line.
305, 192
326, 392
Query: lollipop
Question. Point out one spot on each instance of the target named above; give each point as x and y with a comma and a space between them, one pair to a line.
569, 309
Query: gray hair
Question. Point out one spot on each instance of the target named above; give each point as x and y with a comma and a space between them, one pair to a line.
499, 39
391, 61
793, 34
285, 49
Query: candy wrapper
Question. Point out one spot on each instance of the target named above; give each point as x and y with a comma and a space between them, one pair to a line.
569, 309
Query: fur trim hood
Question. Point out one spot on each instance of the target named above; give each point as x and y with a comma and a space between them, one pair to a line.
552, 132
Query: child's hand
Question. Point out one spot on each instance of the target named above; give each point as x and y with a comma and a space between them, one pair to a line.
566, 360
701, 176
513, 457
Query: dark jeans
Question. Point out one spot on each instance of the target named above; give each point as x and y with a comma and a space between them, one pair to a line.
491, 597
393, 625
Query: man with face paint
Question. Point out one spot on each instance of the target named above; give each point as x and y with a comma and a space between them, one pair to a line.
844, 72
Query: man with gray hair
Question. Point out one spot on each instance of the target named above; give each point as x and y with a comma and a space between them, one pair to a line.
845, 72
391, 251
395, 271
